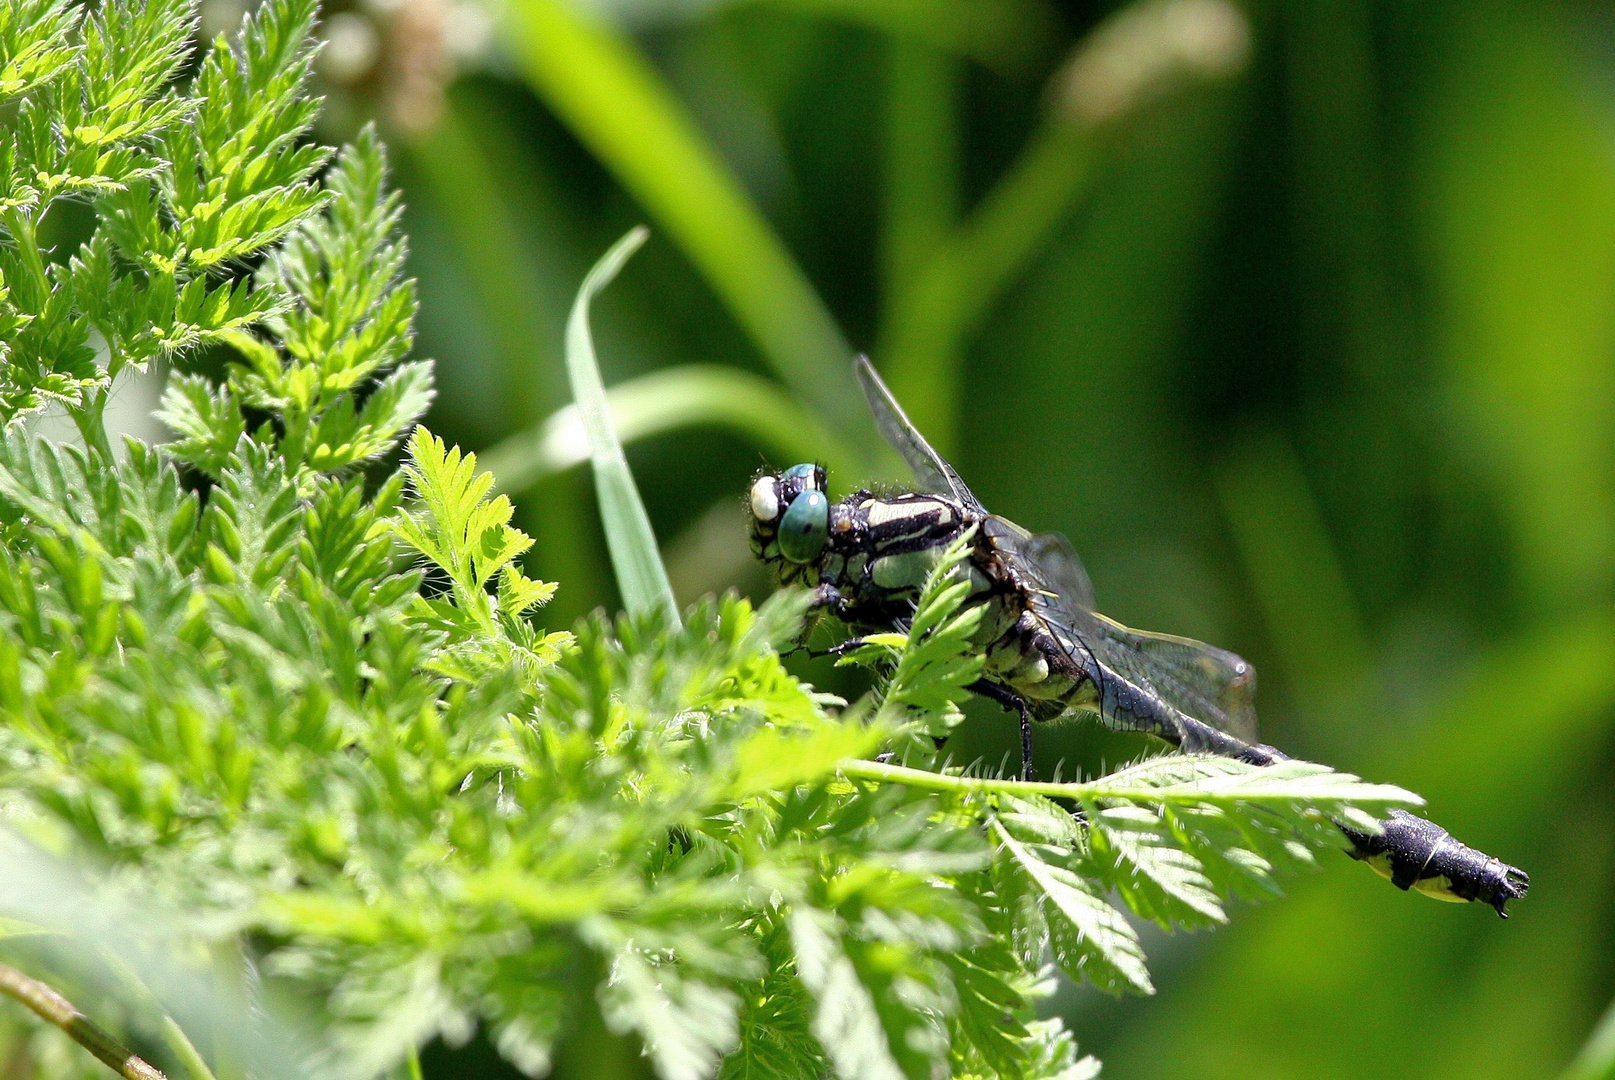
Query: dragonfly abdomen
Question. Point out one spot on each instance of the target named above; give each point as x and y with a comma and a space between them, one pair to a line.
1028, 660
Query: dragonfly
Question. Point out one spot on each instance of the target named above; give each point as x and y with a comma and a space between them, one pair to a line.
1047, 652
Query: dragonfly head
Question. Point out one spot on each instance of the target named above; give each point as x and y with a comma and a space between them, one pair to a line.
790, 515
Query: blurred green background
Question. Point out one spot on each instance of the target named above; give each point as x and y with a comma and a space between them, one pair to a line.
1298, 317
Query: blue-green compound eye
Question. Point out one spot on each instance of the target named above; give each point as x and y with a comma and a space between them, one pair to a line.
808, 472
805, 527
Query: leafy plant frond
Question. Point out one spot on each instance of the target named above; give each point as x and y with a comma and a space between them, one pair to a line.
188, 179
468, 537
933, 662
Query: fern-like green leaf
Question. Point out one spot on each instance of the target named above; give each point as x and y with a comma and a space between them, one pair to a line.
1091, 939
36, 43
934, 660
846, 1021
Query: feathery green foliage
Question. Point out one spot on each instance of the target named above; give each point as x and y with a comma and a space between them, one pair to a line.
314, 716
187, 182
933, 662
334, 386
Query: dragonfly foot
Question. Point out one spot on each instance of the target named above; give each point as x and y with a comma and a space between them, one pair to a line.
1263, 755
1011, 700
836, 650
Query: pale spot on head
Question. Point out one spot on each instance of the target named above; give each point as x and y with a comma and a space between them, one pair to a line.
764, 499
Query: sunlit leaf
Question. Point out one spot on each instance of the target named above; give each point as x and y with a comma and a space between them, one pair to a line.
641, 577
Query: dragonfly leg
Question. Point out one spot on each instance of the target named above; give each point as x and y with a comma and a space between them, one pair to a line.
828, 598
835, 650
1027, 772
1011, 700
1263, 755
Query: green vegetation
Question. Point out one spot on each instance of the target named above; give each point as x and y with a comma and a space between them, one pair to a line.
1294, 316
306, 722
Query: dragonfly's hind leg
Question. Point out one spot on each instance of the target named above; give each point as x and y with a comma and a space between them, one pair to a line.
840, 649
1011, 700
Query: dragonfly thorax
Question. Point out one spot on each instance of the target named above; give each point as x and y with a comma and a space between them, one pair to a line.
877, 551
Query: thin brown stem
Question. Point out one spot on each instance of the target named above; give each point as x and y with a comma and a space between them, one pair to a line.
54, 1009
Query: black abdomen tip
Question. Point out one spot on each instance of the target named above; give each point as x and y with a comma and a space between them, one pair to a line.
1419, 854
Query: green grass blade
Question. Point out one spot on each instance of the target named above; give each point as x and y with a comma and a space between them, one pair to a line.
691, 395
1596, 1061
620, 107
641, 577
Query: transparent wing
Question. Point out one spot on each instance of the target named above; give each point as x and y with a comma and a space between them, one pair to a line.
1171, 686
934, 474
1058, 568
1211, 685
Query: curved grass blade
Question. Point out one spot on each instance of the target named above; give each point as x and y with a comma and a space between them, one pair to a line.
641, 577
691, 395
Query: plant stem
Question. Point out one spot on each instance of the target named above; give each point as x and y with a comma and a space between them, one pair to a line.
173, 1034
1176, 794
1131, 59
54, 1009
185, 1050
921, 208
960, 785
92, 425
413, 1063
946, 298
24, 234
33, 259
921, 200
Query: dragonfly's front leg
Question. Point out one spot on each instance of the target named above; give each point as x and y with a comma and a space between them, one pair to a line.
837, 650
1011, 700
825, 598
829, 598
